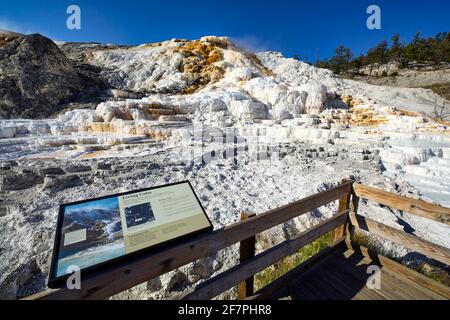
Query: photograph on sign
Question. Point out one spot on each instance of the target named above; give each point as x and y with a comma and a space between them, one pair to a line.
95, 232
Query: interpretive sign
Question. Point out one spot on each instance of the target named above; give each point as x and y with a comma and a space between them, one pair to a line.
95, 233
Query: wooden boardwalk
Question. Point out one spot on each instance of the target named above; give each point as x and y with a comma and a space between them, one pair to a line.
337, 272
342, 275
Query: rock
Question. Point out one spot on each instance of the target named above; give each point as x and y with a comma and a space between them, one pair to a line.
109, 110
7, 132
36, 127
8, 165
5, 166
12, 283
154, 285
170, 118
124, 94
178, 281
317, 95
248, 109
201, 269
19, 181
78, 168
3, 210
379, 70
286, 103
77, 120
57, 183
138, 114
104, 166
221, 41
51, 170
36, 78
311, 120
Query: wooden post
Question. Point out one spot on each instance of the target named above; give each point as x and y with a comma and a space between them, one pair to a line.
246, 251
353, 209
344, 204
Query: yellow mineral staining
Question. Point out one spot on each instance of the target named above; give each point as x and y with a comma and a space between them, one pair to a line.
364, 116
205, 51
153, 133
102, 127
199, 59
350, 101
443, 122
257, 63
436, 126
155, 110
360, 114
94, 154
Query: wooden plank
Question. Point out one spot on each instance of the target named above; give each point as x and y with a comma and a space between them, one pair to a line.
396, 267
293, 274
334, 278
233, 276
360, 261
246, 251
409, 289
413, 206
406, 240
317, 285
138, 270
346, 285
344, 204
397, 287
354, 270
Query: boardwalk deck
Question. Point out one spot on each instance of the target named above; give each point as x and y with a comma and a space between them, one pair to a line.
339, 272
342, 275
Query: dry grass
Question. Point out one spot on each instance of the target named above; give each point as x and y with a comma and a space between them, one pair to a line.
443, 122
277, 270
434, 272
442, 89
406, 113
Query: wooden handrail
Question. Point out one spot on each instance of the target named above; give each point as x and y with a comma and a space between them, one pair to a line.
406, 240
228, 279
413, 206
131, 273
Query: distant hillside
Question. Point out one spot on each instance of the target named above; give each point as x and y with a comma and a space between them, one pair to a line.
420, 52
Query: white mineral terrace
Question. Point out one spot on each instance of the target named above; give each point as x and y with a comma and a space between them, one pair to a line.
266, 132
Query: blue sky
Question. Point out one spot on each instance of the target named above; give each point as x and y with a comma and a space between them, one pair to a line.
289, 26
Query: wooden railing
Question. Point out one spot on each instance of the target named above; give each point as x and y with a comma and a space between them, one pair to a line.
412, 206
131, 273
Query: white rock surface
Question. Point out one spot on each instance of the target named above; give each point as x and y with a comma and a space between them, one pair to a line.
286, 120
